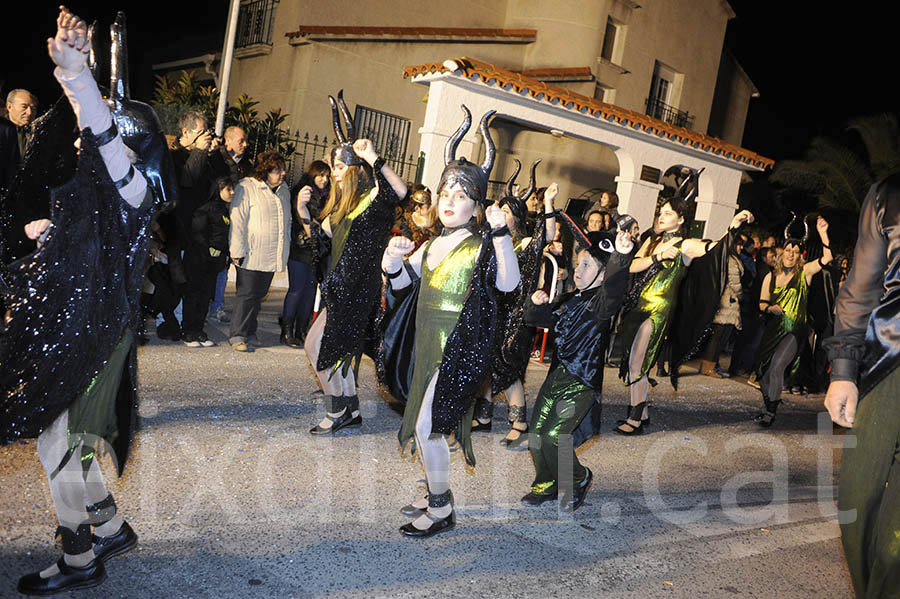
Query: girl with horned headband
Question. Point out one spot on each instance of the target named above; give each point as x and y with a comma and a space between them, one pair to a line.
512, 343
660, 265
357, 217
457, 274
783, 299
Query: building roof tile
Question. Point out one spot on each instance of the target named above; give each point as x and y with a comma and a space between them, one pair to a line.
413, 32
521, 83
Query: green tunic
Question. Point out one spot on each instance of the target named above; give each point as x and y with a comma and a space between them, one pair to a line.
442, 293
792, 299
655, 304
340, 230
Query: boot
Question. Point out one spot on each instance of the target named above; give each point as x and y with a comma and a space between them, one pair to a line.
707, 368
287, 332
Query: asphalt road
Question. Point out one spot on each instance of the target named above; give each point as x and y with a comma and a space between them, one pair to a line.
232, 497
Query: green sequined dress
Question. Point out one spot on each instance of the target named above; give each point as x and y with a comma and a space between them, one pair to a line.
655, 303
792, 298
442, 293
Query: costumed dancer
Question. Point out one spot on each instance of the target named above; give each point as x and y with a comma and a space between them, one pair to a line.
513, 340
783, 300
581, 321
68, 350
357, 218
456, 315
660, 264
864, 354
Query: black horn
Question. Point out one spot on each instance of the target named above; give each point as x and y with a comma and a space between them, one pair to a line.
511, 181
531, 183
351, 127
453, 142
336, 122
489, 151
118, 66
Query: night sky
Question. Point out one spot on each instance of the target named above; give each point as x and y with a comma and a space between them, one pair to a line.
814, 66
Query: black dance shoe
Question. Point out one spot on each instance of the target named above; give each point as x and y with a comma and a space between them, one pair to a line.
571, 502
69, 578
437, 525
533, 499
344, 420
634, 413
117, 544
412, 511
767, 417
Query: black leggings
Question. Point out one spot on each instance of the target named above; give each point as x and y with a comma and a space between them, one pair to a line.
772, 381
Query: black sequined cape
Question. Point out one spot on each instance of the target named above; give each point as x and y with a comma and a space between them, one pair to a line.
352, 290
699, 298
513, 339
72, 301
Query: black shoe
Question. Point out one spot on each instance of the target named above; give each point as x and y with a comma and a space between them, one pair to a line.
437, 525
68, 579
767, 416
571, 503
117, 544
412, 511
533, 499
344, 420
484, 410
287, 333
634, 413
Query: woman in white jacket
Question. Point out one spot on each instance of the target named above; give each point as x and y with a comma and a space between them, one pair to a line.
259, 242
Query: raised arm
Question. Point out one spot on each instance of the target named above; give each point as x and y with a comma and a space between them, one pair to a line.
392, 261
365, 150
812, 268
508, 275
69, 51
695, 248
549, 196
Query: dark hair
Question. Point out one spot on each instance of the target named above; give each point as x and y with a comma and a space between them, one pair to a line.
318, 167
266, 163
613, 199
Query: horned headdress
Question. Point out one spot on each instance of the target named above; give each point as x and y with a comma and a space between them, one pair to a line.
136, 122
343, 150
471, 177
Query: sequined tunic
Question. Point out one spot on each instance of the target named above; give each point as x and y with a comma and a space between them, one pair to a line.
442, 295
792, 298
352, 287
655, 303
72, 305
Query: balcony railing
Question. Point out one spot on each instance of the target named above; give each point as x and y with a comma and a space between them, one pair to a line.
662, 111
256, 20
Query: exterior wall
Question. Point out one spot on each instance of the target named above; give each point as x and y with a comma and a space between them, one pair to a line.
686, 35
734, 89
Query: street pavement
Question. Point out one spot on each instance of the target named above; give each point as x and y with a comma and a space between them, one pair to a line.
232, 497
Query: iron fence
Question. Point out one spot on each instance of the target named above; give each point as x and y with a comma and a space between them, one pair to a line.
300, 149
662, 111
256, 20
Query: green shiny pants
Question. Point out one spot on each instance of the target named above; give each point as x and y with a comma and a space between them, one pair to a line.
562, 403
870, 487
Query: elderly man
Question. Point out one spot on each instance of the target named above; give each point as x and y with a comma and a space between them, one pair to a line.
15, 133
232, 160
